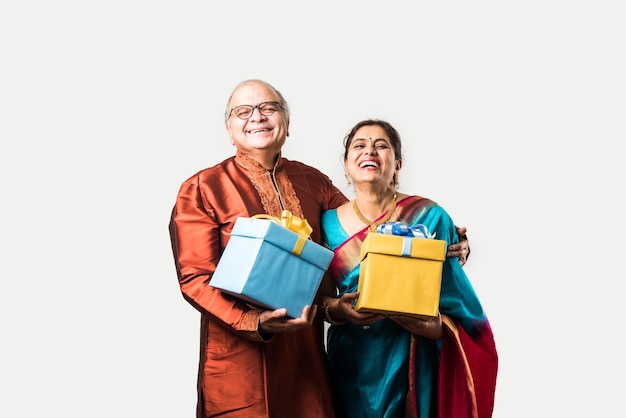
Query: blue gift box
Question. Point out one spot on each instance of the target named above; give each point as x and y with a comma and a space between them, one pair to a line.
270, 266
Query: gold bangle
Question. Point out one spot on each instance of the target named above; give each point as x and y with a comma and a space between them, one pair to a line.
328, 318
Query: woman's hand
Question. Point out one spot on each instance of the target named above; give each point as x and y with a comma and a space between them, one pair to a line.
342, 309
429, 328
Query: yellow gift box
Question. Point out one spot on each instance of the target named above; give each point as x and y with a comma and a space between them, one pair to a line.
400, 274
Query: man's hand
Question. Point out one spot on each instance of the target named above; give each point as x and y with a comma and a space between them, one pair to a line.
277, 321
461, 249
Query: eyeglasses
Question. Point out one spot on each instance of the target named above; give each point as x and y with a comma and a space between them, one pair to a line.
266, 108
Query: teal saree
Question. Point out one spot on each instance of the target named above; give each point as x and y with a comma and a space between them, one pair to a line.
386, 372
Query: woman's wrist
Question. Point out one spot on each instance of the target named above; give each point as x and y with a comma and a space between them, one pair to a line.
328, 317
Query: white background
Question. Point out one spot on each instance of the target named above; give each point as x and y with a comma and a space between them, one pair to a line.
512, 116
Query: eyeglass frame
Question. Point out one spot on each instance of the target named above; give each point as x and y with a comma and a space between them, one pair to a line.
258, 106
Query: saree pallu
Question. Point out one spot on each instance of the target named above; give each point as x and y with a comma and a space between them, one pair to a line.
387, 372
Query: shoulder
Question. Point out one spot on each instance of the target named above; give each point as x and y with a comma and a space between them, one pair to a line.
416, 200
308, 179
207, 173
422, 209
293, 165
328, 215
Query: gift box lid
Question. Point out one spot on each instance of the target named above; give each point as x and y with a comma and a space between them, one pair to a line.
283, 238
404, 246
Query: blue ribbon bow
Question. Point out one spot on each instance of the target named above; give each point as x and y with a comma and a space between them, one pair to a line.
402, 229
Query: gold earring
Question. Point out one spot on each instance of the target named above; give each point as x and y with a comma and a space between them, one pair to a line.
347, 178
395, 179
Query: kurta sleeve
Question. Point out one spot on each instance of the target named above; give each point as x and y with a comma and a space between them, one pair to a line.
196, 244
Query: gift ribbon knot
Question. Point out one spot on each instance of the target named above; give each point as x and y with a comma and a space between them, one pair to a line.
400, 228
408, 232
293, 223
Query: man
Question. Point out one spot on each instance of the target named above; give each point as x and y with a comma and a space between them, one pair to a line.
253, 362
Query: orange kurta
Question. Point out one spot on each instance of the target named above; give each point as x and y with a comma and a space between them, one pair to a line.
240, 374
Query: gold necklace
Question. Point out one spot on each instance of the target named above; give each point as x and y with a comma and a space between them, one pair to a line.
373, 225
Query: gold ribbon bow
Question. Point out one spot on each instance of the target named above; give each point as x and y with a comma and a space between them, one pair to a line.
294, 224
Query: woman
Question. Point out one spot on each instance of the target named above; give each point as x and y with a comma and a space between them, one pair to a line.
400, 366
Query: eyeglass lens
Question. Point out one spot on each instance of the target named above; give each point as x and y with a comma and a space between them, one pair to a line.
266, 109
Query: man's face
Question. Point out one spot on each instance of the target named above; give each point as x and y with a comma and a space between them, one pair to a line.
258, 132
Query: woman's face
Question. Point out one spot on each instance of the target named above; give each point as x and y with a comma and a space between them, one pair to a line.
370, 157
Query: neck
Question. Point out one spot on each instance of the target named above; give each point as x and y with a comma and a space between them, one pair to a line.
372, 203
374, 208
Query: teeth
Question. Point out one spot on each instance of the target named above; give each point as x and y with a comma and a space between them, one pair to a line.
368, 164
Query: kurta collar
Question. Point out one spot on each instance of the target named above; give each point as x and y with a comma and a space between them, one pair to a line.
274, 186
251, 164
